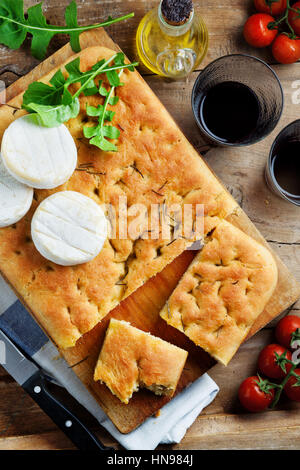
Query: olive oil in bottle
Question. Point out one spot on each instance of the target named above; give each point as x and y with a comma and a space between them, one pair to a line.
172, 39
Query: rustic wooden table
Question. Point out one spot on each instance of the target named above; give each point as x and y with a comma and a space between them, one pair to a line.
223, 425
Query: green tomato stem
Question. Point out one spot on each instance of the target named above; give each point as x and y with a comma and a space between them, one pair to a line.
285, 18
282, 385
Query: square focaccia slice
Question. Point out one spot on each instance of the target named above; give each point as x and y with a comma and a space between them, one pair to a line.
223, 292
131, 359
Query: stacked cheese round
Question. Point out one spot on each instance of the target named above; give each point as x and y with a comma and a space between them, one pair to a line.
38, 156
15, 198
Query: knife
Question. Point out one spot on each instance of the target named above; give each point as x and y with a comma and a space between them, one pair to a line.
34, 381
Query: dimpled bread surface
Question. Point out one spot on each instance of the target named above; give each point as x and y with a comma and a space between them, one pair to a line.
223, 292
131, 358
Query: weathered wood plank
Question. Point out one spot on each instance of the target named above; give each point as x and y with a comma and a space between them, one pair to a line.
54, 440
284, 436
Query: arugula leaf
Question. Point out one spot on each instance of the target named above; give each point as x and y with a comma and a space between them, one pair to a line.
14, 26
98, 134
103, 144
71, 22
12, 32
53, 94
41, 93
52, 115
55, 104
75, 75
42, 35
113, 78
113, 100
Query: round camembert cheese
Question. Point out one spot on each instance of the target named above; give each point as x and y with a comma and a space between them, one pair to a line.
38, 156
15, 198
69, 228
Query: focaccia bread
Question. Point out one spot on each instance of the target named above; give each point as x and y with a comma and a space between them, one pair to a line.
223, 292
131, 359
155, 164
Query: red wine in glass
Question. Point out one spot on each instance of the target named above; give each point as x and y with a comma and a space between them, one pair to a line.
237, 100
229, 112
286, 167
283, 166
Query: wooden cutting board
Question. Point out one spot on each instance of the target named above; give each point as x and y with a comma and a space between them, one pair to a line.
142, 308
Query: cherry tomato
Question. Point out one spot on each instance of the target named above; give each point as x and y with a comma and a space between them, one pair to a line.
294, 18
256, 31
286, 50
275, 7
293, 392
285, 328
267, 361
253, 397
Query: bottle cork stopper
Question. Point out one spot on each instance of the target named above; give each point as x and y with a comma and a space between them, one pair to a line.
176, 12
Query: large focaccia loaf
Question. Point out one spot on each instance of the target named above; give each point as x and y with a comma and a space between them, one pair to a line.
154, 164
223, 292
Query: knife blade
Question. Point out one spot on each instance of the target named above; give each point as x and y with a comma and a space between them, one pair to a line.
34, 382
20, 368
19, 326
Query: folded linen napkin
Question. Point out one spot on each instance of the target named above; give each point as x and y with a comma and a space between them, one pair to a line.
175, 417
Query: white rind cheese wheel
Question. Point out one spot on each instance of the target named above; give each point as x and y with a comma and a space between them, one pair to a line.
38, 156
69, 228
15, 198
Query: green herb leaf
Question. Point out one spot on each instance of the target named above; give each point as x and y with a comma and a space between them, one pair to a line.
75, 75
89, 132
100, 133
95, 112
53, 94
52, 116
111, 132
103, 144
55, 105
14, 26
113, 78
42, 35
42, 94
71, 22
113, 100
12, 23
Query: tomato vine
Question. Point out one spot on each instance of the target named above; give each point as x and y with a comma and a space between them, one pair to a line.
284, 20
266, 385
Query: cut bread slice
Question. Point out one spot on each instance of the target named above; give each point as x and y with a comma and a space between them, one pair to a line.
223, 292
131, 359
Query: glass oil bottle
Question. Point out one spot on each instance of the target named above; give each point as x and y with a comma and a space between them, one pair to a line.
172, 39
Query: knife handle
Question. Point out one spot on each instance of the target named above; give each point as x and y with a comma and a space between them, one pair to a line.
75, 430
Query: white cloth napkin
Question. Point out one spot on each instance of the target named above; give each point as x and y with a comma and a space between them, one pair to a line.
170, 427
